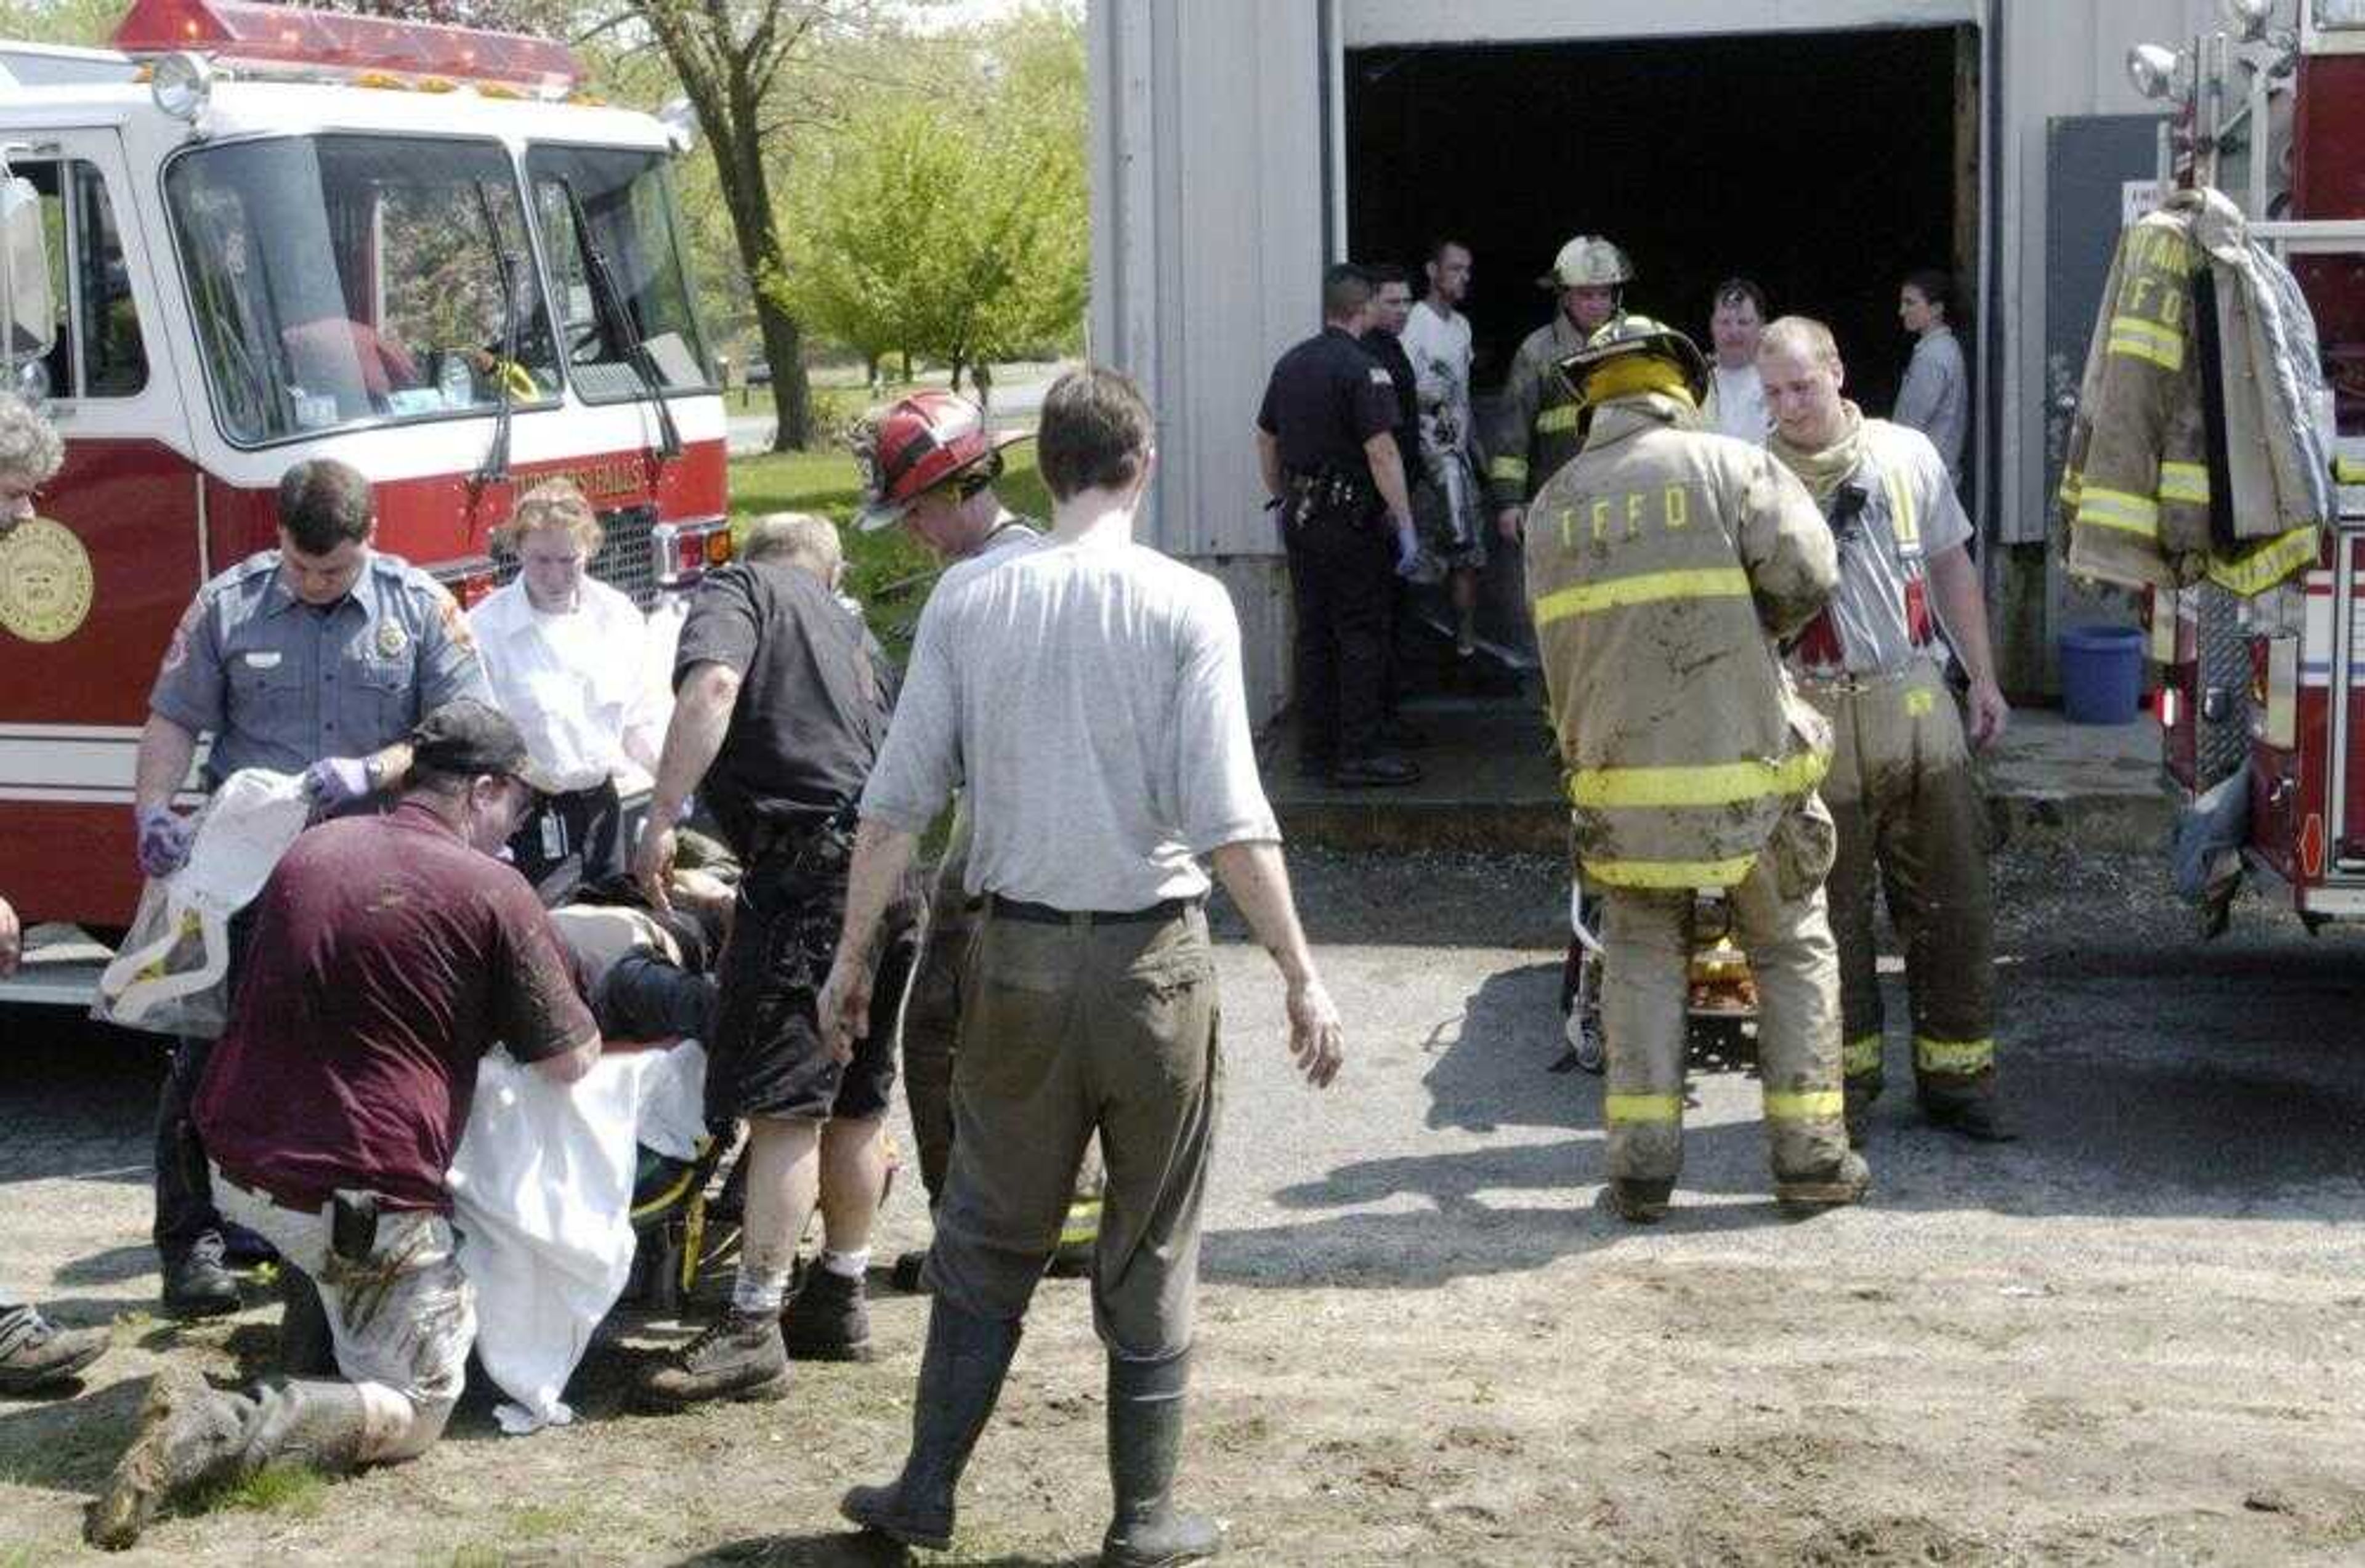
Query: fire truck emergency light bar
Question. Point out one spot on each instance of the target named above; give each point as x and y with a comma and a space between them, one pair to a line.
250, 32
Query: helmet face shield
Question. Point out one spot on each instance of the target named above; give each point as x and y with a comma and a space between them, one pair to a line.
1632, 337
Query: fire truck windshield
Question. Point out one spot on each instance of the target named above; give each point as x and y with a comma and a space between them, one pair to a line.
611, 205
340, 280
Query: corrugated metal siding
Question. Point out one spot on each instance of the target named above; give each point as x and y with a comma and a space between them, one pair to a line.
1208, 198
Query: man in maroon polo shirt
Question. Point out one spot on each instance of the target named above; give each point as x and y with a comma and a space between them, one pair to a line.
390, 954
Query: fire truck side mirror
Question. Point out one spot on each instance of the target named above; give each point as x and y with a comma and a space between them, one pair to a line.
29, 313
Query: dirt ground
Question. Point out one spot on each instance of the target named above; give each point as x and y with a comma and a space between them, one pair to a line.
2131, 1337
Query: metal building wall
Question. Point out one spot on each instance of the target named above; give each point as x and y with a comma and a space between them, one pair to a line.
1207, 252
1211, 122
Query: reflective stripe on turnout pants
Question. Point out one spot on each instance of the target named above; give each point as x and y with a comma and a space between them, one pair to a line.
1911, 825
1778, 914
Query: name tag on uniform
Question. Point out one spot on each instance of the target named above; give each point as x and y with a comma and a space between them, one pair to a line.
267, 659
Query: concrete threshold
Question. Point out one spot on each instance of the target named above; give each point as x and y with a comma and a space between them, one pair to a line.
1489, 781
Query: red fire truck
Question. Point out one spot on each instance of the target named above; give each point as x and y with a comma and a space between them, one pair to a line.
250, 234
2274, 686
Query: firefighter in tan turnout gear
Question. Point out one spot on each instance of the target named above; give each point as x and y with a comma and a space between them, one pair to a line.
1663, 562
1900, 788
1536, 420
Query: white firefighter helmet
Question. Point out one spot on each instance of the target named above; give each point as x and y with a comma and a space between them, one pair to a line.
1588, 262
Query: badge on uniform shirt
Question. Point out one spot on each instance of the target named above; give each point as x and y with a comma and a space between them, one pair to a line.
389, 639
1381, 378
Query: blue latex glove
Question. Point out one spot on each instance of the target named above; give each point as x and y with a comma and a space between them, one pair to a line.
164, 835
335, 781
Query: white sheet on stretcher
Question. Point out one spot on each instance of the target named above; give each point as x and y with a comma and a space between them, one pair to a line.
541, 1190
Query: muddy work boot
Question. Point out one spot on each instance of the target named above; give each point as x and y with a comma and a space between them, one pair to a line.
1637, 1202
739, 1358
1145, 1445
192, 1439
198, 1282
960, 1378
1843, 1185
828, 1320
1976, 1117
36, 1354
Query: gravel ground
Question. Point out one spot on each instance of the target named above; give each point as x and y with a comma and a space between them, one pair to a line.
2131, 1337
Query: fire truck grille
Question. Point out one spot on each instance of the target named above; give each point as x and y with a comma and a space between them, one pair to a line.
623, 560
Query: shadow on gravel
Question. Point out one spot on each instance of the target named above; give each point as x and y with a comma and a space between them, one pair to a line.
2193, 1095
844, 1548
69, 1445
111, 1267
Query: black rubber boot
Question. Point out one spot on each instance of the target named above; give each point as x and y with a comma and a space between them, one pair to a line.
192, 1438
960, 1378
1145, 1445
1972, 1116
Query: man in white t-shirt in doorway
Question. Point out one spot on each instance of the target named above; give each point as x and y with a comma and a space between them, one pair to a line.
1448, 501
1736, 402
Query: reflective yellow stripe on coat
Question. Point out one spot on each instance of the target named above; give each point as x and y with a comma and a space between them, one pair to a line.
1642, 1107
1642, 588
1510, 470
2129, 513
2185, 482
1562, 417
2270, 563
1669, 875
2146, 339
1700, 784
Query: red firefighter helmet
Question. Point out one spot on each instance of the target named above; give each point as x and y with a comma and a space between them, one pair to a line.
917, 443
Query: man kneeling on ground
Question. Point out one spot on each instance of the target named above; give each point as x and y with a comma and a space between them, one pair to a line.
389, 955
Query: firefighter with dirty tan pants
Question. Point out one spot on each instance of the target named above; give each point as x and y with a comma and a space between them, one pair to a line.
1900, 788
1663, 561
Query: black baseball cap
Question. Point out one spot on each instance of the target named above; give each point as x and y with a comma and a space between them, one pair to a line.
467, 737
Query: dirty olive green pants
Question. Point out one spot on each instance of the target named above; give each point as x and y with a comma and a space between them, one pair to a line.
931, 1036
1068, 1031
1777, 918
1912, 825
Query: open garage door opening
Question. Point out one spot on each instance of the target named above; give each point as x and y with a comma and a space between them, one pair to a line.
1824, 166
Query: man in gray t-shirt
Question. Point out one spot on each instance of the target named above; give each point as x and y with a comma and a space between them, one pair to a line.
1087, 694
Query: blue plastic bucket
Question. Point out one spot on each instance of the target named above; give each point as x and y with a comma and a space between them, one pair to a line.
2102, 674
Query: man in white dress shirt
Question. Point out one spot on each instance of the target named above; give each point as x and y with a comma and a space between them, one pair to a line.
567, 658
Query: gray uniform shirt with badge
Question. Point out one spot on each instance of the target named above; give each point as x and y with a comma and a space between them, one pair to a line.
280, 684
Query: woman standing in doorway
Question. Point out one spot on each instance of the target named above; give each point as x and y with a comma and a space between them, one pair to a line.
1935, 398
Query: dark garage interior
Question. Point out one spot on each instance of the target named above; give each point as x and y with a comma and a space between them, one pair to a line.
1825, 165
1821, 164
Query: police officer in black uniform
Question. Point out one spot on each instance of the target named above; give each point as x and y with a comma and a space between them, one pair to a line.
1326, 441
1382, 339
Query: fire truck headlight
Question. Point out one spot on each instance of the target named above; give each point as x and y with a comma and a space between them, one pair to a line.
680, 122
2151, 67
182, 84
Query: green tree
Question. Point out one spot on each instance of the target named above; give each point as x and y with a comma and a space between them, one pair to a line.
953, 226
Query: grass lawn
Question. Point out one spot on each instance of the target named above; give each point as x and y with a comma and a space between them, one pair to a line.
887, 571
